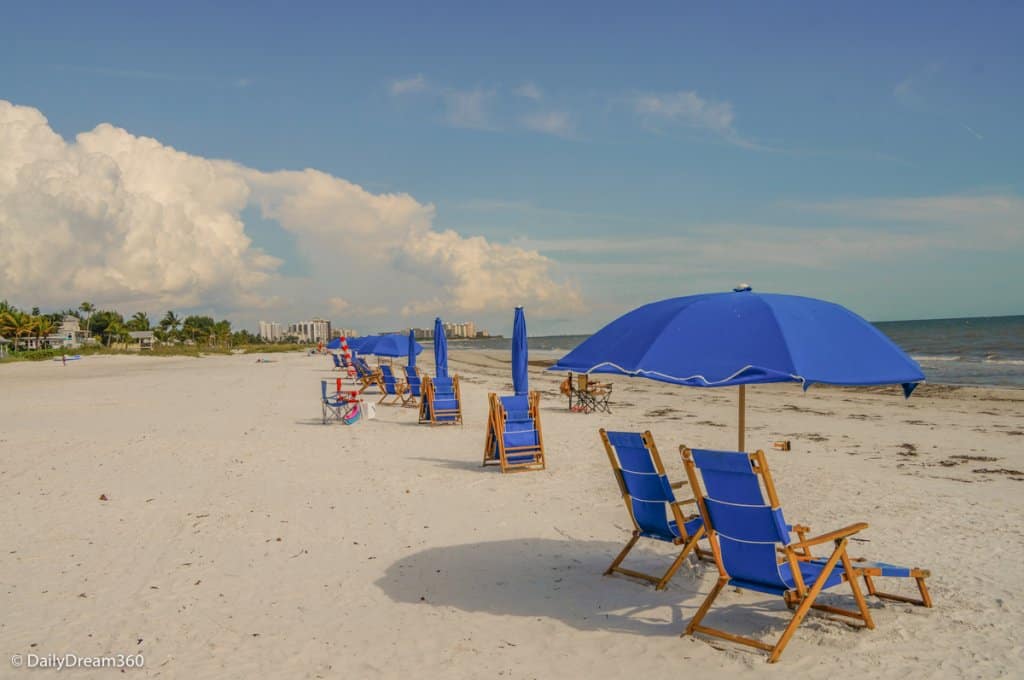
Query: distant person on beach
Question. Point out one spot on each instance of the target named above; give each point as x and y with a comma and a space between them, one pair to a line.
63, 359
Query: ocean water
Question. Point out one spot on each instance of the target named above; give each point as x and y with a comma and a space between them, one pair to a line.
972, 351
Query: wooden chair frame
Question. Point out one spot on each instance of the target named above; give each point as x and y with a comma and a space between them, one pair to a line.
410, 400
496, 438
802, 598
401, 387
427, 402
689, 543
367, 380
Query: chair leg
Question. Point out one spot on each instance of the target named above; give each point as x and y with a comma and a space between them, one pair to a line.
805, 605
622, 555
705, 606
858, 597
687, 549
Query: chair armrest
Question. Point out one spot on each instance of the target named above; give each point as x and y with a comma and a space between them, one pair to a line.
678, 485
685, 501
831, 536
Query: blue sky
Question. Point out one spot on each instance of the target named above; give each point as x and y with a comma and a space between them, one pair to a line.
866, 153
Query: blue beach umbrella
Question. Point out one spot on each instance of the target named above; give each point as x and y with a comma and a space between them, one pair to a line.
440, 350
520, 358
742, 338
391, 346
335, 343
411, 361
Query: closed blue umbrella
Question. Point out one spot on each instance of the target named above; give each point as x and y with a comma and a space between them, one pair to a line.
411, 361
741, 338
440, 350
520, 352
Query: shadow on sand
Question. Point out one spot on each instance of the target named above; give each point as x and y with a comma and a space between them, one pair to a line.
557, 579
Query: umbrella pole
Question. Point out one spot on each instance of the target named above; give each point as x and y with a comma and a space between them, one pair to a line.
743, 416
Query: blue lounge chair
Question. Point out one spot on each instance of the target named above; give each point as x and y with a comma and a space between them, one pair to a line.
514, 439
391, 386
754, 549
650, 501
368, 377
415, 384
442, 401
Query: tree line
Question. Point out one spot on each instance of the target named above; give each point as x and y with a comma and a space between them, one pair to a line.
110, 327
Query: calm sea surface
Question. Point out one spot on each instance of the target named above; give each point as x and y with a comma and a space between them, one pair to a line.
975, 351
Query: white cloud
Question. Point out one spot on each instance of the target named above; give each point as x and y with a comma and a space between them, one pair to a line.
117, 218
689, 108
468, 109
529, 90
408, 85
551, 122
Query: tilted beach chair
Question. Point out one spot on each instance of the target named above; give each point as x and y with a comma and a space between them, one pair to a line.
651, 502
442, 401
338, 366
415, 387
391, 386
514, 439
754, 550
368, 377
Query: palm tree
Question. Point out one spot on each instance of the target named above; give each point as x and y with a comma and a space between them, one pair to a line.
170, 323
44, 327
139, 322
87, 308
17, 324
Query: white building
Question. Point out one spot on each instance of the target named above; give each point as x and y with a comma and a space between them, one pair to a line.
271, 331
314, 330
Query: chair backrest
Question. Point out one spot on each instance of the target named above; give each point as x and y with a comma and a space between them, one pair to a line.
412, 378
645, 488
323, 390
517, 408
362, 367
442, 387
581, 381
337, 360
748, 528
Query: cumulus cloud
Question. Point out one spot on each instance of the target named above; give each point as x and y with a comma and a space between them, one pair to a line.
118, 218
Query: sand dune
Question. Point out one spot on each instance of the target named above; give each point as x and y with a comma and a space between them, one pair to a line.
241, 538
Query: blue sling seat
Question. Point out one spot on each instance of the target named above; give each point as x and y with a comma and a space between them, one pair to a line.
514, 438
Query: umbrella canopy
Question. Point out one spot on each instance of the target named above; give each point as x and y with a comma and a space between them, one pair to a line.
440, 350
335, 343
357, 344
411, 361
520, 354
391, 346
743, 337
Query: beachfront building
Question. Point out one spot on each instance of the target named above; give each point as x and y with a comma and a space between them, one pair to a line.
423, 333
314, 330
345, 333
142, 339
271, 331
464, 329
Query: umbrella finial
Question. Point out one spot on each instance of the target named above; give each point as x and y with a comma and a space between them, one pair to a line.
743, 288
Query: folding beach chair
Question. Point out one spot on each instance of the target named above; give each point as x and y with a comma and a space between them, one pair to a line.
368, 377
338, 365
754, 550
335, 405
588, 396
442, 401
391, 386
651, 502
415, 387
514, 439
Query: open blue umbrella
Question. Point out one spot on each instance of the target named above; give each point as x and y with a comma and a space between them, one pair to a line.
411, 361
741, 338
335, 343
440, 350
520, 352
391, 346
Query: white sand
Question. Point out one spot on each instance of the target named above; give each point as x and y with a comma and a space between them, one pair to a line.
243, 539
